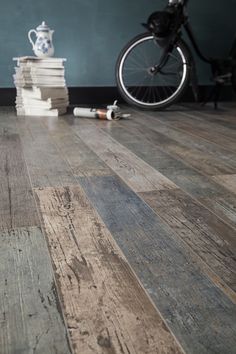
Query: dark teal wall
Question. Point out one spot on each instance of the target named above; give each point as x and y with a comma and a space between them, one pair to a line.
90, 33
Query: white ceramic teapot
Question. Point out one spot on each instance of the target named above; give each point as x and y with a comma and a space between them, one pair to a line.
43, 46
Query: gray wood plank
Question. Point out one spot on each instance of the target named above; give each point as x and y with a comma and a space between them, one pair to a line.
17, 207
82, 160
210, 150
203, 188
45, 164
199, 314
30, 317
207, 160
222, 137
106, 309
7, 121
137, 174
224, 115
209, 237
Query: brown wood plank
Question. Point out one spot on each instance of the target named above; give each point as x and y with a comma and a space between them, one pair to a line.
228, 181
45, 164
210, 238
106, 309
30, 316
17, 207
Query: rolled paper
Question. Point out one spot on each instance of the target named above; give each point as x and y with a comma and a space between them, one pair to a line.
94, 113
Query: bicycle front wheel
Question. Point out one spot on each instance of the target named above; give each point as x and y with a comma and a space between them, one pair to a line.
139, 83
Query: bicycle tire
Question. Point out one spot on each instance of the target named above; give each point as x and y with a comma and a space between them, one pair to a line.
158, 102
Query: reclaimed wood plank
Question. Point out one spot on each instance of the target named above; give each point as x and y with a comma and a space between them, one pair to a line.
7, 121
205, 158
106, 309
228, 181
82, 160
202, 188
199, 314
137, 174
223, 206
45, 164
209, 237
17, 207
30, 317
218, 136
224, 115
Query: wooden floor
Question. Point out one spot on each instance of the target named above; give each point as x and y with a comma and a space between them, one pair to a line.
118, 237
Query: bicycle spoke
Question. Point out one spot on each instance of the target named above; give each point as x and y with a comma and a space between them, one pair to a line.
139, 80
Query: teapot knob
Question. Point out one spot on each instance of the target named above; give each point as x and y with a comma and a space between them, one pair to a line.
29, 36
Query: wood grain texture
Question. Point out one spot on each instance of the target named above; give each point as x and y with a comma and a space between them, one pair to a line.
45, 164
82, 160
199, 156
137, 174
217, 135
210, 238
7, 121
200, 187
228, 181
199, 314
30, 315
106, 309
17, 206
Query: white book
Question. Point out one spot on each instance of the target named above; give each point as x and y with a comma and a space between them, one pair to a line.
40, 62
39, 82
40, 71
48, 104
29, 77
43, 93
24, 84
38, 59
49, 65
40, 112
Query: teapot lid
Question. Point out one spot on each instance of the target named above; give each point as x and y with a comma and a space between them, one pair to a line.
43, 27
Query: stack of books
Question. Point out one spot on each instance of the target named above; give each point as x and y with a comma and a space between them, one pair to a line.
41, 86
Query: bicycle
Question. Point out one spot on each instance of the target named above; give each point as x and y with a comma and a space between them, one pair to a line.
156, 67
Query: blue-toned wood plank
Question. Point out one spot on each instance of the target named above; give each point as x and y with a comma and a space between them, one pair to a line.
200, 315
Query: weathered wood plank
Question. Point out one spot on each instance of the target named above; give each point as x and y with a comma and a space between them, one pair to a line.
223, 116
199, 314
210, 238
17, 206
228, 181
106, 309
7, 121
45, 164
200, 187
30, 316
191, 141
222, 137
215, 120
223, 206
202, 156
82, 160
137, 174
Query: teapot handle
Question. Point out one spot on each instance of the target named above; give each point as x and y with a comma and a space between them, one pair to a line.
29, 36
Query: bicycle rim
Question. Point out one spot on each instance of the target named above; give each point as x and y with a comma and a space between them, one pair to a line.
137, 83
